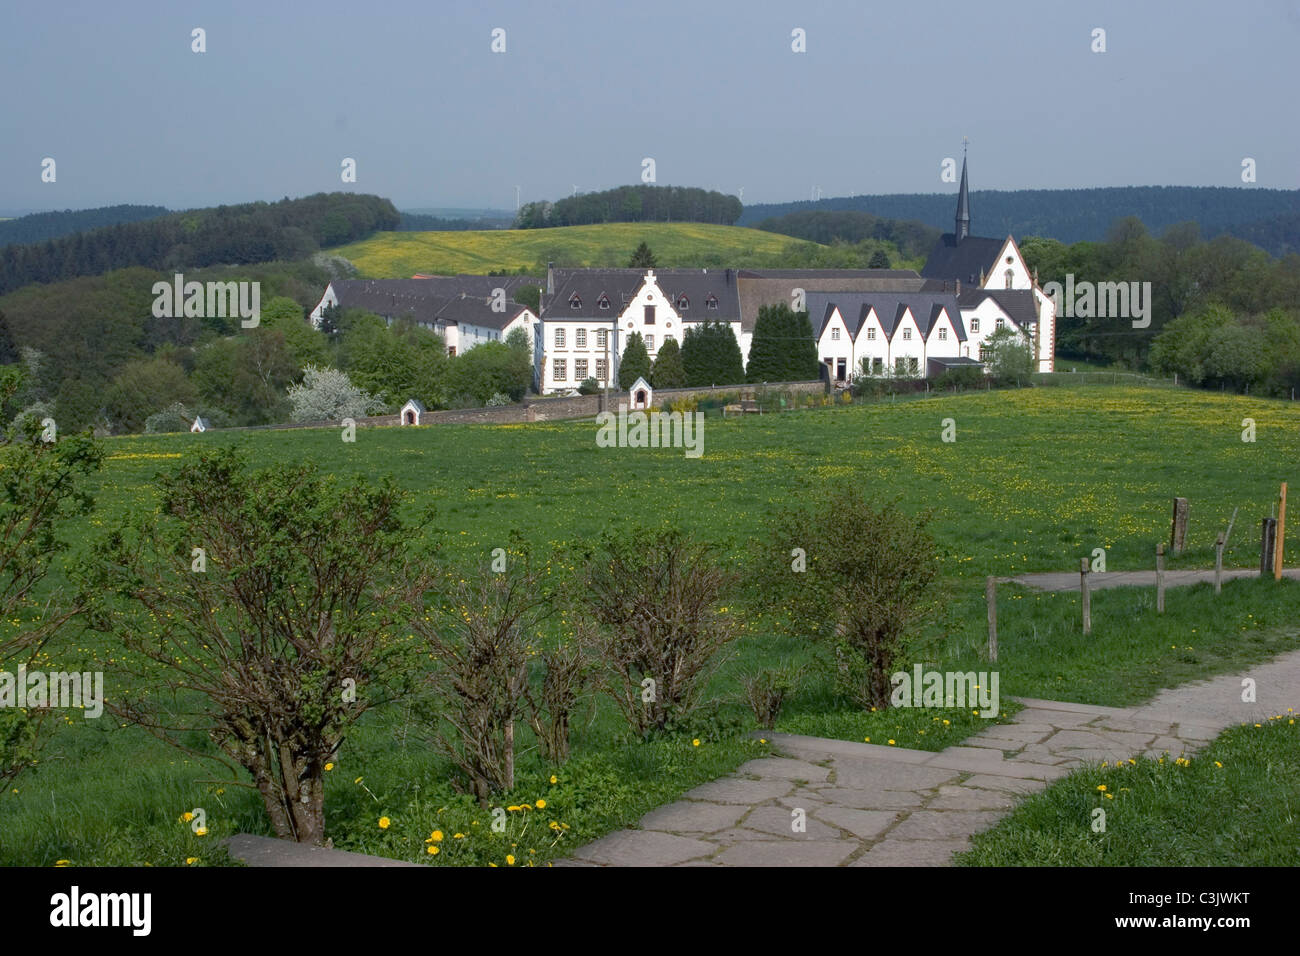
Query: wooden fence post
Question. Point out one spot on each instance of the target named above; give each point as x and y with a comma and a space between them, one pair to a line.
991, 598
1281, 535
1087, 599
1268, 527
1178, 534
1160, 578
1218, 563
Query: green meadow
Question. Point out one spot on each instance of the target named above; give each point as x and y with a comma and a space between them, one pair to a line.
1036, 479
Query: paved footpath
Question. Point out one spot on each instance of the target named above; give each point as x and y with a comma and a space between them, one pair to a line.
1069, 580
869, 805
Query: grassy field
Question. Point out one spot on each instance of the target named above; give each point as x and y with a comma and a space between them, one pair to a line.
1036, 479
1233, 804
400, 255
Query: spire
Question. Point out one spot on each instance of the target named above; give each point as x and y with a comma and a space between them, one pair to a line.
963, 203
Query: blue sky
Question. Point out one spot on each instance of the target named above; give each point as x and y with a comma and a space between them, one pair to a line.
585, 90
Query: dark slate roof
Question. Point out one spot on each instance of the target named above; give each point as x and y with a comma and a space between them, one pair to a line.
760, 287
953, 361
424, 300
622, 285
965, 260
889, 307
619, 285
1018, 304
465, 309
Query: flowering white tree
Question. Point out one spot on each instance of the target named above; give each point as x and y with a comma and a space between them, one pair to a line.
326, 394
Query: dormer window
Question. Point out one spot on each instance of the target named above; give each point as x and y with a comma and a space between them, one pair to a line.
602, 302
575, 302
683, 303
711, 302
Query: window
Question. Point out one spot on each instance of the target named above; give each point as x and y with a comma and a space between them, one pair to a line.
579, 370
650, 343
603, 302
974, 325
877, 366
984, 353
943, 334
835, 335
900, 366
871, 334
907, 334
559, 338
1008, 278
600, 369
649, 315
683, 303
580, 339
912, 365
602, 338
560, 370
711, 302
575, 302
999, 324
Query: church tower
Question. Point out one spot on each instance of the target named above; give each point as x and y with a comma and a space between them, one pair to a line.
962, 229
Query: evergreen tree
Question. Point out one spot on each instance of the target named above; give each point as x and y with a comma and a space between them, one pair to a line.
731, 363
802, 356
635, 362
8, 352
768, 350
711, 356
668, 371
643, 258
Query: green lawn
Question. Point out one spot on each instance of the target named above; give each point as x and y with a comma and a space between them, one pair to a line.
1036, 479
1236, 803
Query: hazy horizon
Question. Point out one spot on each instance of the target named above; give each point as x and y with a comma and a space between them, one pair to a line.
713, 92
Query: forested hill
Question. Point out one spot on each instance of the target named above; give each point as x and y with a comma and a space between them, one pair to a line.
639, 203
1076, 215
40, 226
230, 235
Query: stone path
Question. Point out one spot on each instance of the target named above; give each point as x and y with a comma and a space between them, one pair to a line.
871, 805
1069, 580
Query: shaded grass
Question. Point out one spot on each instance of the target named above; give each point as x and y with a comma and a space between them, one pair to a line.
1237, 803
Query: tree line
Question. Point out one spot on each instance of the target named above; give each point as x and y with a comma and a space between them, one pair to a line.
1073, 215
911, 238
643, 203
245, 234
1223, 313
51, 225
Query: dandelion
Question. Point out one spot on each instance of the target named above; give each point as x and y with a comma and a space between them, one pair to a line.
510, 859
554, 779
435, 837
696, 741
201, 831
1101, 787
946, 723
458, 836
329, 766
432, 851
891, 741
1219, 765
62, 862
191, 860
541, 804
384, 823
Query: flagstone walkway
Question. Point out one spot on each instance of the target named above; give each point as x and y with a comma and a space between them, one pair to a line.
870, 805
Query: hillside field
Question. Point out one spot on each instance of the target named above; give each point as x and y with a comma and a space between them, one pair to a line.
1036, 479
400, 255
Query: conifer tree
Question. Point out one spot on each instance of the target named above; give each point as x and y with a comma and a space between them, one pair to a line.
634, 363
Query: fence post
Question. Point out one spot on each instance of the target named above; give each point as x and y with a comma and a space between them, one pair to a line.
1268, 527
1218, 563
991, 598
1160, 578
1280, 539
1087, 598
1178, 533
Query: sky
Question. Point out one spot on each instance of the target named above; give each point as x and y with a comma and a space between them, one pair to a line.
713, 92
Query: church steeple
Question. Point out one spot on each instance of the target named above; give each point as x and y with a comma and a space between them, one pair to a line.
963, 204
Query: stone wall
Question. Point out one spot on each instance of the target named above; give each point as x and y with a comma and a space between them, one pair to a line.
554, 409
